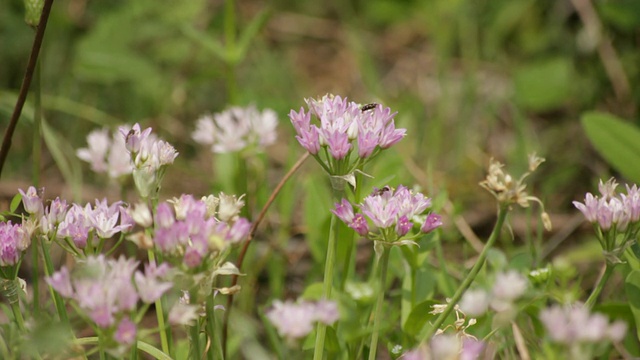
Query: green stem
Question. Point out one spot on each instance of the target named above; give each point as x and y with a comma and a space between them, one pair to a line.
608, 270
36, 275
328, 277
160, 315
502, 214
211, 326
10, 288
384, 264
231, 50
57, 299
194, 332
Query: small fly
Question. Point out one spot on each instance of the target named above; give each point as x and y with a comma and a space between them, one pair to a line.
368, 107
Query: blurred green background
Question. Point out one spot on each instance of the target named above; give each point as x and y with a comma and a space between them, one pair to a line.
470, 79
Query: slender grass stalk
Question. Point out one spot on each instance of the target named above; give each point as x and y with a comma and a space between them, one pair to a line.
502, 214
210, 327
384, 264
231, 49
57, 299
26, 82
593, 298
164, 341
194, 334
328, 275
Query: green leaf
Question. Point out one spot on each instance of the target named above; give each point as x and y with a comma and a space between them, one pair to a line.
418, 317
313, 291
544, 85
632, 289
617, 141
249, 33
15, 202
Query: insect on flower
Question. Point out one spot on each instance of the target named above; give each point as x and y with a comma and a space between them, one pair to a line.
368, 107
379, 192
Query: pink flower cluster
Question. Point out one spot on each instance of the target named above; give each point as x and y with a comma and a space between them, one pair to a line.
574, 325
13, 241
108, 291
237, 129
446, 346
393, 212
344, 126
147, 151
76, 223
188, 229
611, 209
295, 320
107, 153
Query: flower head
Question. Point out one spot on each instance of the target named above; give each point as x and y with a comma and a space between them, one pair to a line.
13, 242
237, 129
344, 128
295, 320
106, 154
394, 212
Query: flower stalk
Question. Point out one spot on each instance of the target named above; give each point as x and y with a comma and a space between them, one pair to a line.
502, 214
593, 297
384, 264
328, 274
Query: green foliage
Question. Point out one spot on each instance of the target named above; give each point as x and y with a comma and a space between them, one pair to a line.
632, 289
617, 141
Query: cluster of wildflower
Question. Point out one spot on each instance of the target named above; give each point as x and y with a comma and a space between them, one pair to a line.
615, 216
508, 287
576, 329
295, 320
393, 212
107, 153
237, 129
108, 291
14, 240
149, 157
75, 225
509, 191
447, 347
192, 232
344, 126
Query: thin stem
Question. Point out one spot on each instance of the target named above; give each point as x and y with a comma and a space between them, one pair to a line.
194, 333
384, 264
329, 266
210, 327
502, 214
26, 82
57, 299
164, 342
245, 247
608, 270
36, 282
231, 50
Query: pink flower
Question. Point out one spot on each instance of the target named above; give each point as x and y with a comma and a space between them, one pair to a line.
432, 222
296, 320
126, 332
32, 202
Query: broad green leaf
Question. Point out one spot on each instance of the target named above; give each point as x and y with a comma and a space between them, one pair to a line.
617, 141
313, 291
418, 317
15, 202
632, 289
543, 85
